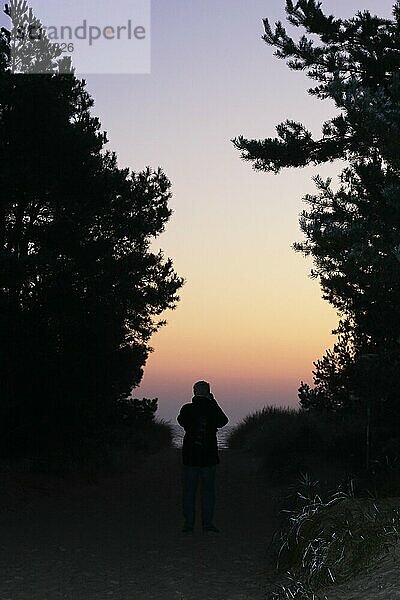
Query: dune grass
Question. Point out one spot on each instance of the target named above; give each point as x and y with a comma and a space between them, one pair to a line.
328, 539
325, 537
291, 441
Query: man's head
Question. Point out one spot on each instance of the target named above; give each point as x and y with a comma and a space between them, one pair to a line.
201, 388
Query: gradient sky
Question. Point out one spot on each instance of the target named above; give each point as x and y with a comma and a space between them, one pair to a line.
250, 319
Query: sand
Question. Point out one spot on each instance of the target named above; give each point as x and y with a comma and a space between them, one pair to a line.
121, 538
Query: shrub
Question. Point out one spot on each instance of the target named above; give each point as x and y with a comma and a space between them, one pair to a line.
110, 450
153, 437
136, 412
290, 441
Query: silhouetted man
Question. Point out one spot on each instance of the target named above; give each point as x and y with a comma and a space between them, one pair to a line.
201, 418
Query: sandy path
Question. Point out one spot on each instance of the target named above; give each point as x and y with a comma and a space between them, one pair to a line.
380, 582
122, 538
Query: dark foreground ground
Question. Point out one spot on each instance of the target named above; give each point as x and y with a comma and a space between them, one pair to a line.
121, 538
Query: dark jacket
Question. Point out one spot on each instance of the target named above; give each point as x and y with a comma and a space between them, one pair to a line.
201, 418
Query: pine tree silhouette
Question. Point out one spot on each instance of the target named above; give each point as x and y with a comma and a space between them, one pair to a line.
81, 292
353, 232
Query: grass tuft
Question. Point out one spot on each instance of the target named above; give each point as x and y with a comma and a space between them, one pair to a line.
328, 539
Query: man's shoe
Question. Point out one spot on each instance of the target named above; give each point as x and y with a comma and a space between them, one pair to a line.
211, 528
